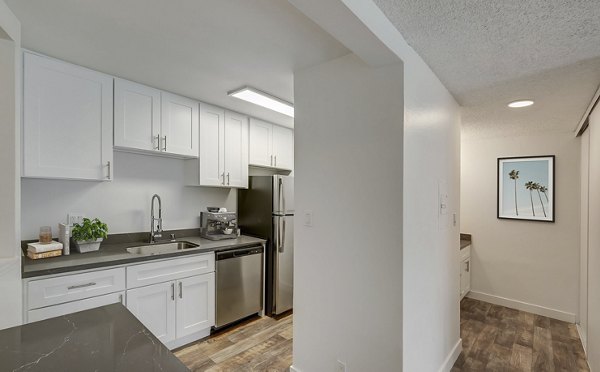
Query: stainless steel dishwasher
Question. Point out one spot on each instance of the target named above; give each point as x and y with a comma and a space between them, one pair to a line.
239, 284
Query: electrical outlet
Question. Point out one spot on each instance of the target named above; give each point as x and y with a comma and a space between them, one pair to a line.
75, 217
308, 218
340, 366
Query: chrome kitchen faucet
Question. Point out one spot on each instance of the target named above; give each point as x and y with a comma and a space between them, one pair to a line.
158, 232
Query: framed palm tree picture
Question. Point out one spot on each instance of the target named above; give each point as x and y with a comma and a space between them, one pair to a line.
526, 188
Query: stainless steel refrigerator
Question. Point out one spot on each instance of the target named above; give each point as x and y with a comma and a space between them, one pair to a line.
266, 210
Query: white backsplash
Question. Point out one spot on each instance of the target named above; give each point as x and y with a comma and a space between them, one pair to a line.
124, 203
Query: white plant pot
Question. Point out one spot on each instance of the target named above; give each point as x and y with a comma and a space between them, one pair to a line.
84, 246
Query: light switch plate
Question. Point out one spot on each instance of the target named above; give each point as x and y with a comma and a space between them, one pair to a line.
75, 217
308, 218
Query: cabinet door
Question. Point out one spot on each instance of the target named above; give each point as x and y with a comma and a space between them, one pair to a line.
195, 304
465, 277
283, 147
179, 125
75, 306
154, 306
261, 143
137, 116
212, 142
67, 120
236, 150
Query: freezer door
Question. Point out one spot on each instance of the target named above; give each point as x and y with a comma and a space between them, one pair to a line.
283, 195
283, 285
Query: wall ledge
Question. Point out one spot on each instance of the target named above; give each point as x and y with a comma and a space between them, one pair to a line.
523, 306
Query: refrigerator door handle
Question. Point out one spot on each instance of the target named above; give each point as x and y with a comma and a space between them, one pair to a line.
280, 194
281, 244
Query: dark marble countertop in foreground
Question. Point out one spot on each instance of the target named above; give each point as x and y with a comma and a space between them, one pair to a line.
107, 338
114, 252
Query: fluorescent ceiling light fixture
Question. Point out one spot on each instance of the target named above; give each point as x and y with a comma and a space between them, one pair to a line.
263, 99
520, 103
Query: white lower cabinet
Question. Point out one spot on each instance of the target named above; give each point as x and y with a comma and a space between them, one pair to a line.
75, 306
154, 306
175, 309
195, 304
174, 298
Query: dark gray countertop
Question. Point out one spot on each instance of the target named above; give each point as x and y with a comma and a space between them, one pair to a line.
465, 240
107, 338
116, 254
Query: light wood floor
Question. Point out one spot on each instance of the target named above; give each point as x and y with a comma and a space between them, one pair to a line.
260, 344
496, 338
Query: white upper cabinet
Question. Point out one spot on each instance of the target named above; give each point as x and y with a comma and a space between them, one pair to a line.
271, 145
212, 145
153, 121
67, 121
236, 150
261, 143
137, 116
179, 125
283, 147
223, 149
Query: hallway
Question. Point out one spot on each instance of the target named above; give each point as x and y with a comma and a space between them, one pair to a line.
496, 338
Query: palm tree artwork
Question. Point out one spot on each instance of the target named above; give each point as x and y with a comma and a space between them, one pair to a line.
537, 187
514, 175
530, 186
544, 190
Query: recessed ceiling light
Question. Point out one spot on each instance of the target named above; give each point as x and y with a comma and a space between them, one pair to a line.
263, 99
520, 103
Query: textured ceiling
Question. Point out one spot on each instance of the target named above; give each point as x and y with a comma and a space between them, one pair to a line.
201, 49
488, 53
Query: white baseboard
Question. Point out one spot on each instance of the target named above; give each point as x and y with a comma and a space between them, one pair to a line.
294, 369
523, 306
451, 358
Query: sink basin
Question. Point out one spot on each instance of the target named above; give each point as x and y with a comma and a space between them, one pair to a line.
161, 248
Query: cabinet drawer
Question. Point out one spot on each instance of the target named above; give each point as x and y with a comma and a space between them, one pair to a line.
465, 253
53, 291
73, 307
163, 271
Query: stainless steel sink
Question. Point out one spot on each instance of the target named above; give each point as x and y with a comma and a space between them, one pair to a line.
161, 248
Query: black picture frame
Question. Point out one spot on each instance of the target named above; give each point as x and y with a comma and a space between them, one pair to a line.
529, 175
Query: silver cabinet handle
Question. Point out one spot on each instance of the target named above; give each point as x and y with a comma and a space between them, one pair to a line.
223, 178
82, 285
121, 298
227, 178
108, 165
275, 160
180, 290
468, 266
157, 142
173, 291
165, 144
271, 160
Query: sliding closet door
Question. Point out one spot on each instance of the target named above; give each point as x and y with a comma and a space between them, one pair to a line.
593, 312
583, 275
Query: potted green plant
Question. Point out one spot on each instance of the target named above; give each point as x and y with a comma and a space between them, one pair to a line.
88, 236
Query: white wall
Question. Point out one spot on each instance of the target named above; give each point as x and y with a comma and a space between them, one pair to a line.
431, 242
593, 330
348, 173
532, 266
124, 203
10, 258
431, 318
